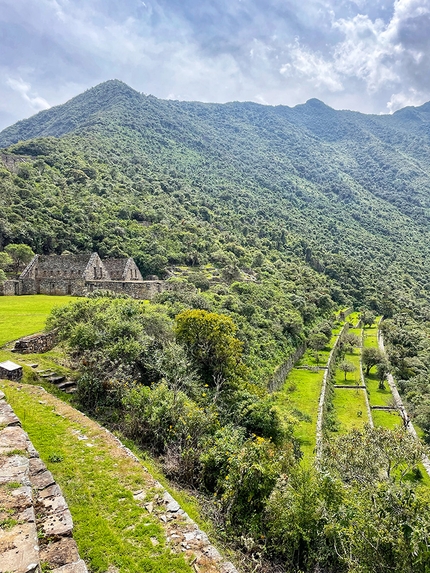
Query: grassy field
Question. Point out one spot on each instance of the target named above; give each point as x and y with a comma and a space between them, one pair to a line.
349, 405
300, 395
112, 531
350, 409
22, 315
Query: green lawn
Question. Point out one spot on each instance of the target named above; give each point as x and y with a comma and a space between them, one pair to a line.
22, 315
377, 397
350, 409
112, 531
386, 419
300, 395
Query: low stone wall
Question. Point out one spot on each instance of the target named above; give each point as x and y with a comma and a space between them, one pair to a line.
36, 343
139, 290
9, 288
30, 498
284, 369
79, 287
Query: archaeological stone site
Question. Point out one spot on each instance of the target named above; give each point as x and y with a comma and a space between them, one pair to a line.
79, 274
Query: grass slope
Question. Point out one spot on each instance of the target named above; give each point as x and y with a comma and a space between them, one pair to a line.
98, 480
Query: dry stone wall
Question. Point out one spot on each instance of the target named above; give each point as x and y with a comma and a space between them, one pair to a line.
39, 524
36, 343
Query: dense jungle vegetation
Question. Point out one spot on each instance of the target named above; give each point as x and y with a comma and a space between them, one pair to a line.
265, 220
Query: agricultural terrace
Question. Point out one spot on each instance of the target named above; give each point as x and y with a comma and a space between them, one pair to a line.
301, 391
349, 408
378, 396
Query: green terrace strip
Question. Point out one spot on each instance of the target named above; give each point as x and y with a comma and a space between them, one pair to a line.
300, 395
378, 396
98, 480
23, 315
349, 404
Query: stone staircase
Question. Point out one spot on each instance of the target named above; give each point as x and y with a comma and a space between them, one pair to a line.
35, 522
59, 380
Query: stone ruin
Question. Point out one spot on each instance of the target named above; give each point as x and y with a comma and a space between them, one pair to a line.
36, 343
80, 274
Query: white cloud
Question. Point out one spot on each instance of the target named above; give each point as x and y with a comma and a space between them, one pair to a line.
312, 67
36, 102
406, 98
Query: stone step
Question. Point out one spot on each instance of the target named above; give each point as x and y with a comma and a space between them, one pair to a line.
56, 379
30, 496
66, 385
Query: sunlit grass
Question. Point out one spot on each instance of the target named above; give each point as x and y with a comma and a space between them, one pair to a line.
23, 315
350, 409
111, 529
300, 395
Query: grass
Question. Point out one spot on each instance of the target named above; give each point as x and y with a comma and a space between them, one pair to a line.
386, 419
377, 397
300, 395
23, 315
111, 529
350, 409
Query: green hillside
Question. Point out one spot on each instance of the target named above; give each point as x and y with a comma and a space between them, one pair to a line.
170, 182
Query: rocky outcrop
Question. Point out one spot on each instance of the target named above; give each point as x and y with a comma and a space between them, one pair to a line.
35, 522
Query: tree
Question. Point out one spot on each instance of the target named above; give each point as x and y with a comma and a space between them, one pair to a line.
346, 367
371, 357
317, 341
21, 254
367, 317
382, 369
210, 342
5, 260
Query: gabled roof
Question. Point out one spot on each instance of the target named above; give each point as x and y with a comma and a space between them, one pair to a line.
54, 263
116, 268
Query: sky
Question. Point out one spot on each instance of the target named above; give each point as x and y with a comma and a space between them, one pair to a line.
371, 56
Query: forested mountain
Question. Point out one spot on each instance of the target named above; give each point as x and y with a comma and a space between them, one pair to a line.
345, 191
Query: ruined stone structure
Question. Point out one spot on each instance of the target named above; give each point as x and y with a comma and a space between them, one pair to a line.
10, 371
79, 274
36, 343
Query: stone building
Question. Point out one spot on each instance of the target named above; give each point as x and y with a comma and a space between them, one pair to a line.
78, 274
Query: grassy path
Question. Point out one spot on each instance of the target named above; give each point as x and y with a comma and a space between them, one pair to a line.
113, 530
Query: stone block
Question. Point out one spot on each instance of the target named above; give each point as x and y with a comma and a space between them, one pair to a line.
78, 567
42, 480
13, 438
7, 415
19, 551
59, 553
57, 524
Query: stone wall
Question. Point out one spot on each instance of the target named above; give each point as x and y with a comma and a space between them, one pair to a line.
79, 287
36, 343
9, 288
139, 290
284, 369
